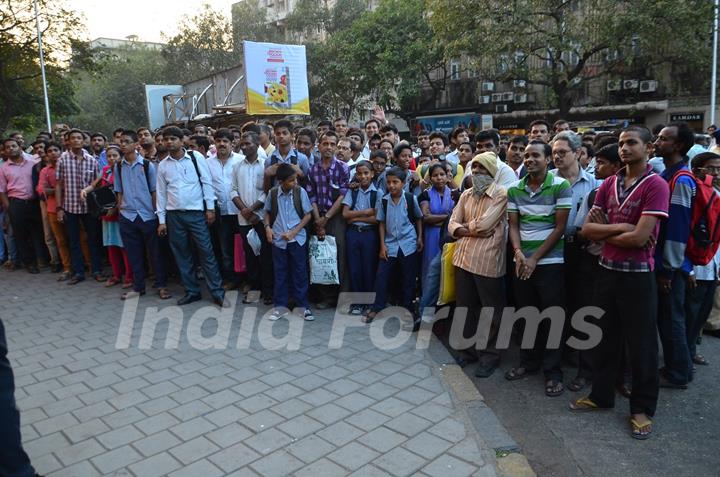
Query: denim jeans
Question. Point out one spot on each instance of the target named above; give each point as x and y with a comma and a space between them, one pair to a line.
698, 305
431, 284
92, 229
673, 331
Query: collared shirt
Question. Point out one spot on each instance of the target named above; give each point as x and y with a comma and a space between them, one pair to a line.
366, 151
400, 233
102, 158
222, 176
363, 201
247, 183
649, 195
179, 188
48, 179
293, 156
453, 157
287, 217
536, 210
505, 175
16, 179
76, 174
675, 231
325, 185
583, 185
484, 256
136, 188
268, 150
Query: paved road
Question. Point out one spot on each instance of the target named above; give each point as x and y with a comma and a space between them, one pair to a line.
90, 409
562, 444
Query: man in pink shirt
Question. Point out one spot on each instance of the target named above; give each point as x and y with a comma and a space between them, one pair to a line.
17, 196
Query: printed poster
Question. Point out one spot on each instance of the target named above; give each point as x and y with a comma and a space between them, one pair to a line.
276, 78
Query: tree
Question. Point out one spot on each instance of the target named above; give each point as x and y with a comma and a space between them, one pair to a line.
21, 94
563, 44
250, 22
111, 93
204, 45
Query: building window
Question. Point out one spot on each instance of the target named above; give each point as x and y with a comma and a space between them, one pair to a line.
455, 70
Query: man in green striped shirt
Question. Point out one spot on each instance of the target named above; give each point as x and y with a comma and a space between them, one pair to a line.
538, 209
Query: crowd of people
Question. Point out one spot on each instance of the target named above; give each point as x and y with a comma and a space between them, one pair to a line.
551, 218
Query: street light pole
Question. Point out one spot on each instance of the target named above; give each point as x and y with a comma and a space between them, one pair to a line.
713, 85
42, 67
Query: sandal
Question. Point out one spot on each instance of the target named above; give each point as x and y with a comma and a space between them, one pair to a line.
584, 404
131, 294
111, 282
640, 431
700, 360
554, 388
519, 373
63, 276
127, 285
164, 293
369, 317
577, 384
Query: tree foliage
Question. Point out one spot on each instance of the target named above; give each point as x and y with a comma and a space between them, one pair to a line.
250, 22
21, 94
204, 45
563, 44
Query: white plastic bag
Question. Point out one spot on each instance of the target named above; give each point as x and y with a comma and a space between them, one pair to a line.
254, 241
323, 261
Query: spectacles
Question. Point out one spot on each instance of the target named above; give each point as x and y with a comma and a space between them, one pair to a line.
711, 170
561, 153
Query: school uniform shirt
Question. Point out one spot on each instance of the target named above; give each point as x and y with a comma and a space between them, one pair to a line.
649, 195
400, 233
222, 177
136, 188
363, 201
536, 211
247, 183
483, 256
300, 159
180, 188
287, 217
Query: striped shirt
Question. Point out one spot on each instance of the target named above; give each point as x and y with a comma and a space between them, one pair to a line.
484, 256
537, 214
76, 174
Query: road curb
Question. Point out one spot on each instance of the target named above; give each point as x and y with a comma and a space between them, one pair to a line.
509, 460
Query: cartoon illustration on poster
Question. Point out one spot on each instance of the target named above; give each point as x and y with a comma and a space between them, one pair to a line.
276, 78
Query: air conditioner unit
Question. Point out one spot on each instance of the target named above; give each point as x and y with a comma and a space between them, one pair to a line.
648, 86
519, 83
630, 84
488, 86
497, 97
614, 85
521, 98
485, 99
501, 108
508, 96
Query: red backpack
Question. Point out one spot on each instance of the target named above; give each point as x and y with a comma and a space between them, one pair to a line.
704, 237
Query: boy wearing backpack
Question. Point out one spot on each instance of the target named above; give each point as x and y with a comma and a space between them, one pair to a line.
672, 264
287, 212
361, 233
400, 226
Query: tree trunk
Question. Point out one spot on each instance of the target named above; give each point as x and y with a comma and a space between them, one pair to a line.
564, 101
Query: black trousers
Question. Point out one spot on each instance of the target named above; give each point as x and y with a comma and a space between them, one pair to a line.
630, 303
259, 268
545, 288
14, 462
475, 292
26, 222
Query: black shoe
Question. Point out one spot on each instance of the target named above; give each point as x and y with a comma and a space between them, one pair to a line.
268, 300
75, 280
485, 370
220, 301
188, 298
33, 269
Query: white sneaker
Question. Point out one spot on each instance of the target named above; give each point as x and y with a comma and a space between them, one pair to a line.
308, 316
276, 315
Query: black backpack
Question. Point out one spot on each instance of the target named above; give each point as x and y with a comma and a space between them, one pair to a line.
409, 200
354, 195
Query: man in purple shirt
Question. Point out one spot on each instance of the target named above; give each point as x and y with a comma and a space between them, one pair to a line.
626, 217
17, 196
327, 186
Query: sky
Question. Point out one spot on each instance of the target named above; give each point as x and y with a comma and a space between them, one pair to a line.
144, 18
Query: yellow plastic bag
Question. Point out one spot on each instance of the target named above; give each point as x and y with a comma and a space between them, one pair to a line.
447, 275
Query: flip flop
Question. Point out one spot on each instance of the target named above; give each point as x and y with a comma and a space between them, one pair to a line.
585, 404
640, 431
554, 388
519, 372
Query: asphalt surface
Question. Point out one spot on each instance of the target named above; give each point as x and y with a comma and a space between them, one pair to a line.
559, 443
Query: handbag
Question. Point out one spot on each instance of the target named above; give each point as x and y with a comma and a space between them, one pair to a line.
101, 200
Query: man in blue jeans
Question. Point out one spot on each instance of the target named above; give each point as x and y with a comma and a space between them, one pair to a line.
185, 209
14, 462
77, 170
